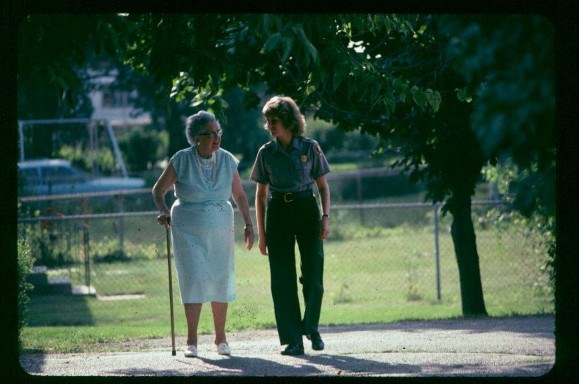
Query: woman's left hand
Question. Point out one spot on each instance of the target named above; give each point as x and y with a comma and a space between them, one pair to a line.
325, 232
249, 237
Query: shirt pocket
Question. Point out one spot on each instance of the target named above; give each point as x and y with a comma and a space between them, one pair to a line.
280, 174
303, 170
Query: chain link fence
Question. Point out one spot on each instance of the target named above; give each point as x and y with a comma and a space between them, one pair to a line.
388, 255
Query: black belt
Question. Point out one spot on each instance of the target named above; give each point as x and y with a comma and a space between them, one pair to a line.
288, 197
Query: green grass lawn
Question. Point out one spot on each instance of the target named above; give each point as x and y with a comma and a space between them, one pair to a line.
383, 275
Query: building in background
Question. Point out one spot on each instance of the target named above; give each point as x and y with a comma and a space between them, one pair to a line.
112, 102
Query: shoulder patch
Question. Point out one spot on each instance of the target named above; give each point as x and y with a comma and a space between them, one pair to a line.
318, 150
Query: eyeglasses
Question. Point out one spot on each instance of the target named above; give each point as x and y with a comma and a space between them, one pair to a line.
212, 134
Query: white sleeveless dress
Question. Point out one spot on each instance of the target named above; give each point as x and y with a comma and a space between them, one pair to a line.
202, 227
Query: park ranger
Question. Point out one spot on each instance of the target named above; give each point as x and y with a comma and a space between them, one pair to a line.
288, 166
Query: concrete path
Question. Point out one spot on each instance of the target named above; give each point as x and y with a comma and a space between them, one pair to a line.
517, 346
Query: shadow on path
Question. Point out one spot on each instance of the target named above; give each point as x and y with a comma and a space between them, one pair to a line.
516, 324
257, 367
313, 366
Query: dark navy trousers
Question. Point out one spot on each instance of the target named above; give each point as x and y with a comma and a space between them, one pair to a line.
287, 223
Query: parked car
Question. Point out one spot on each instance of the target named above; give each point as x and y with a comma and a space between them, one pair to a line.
58, 176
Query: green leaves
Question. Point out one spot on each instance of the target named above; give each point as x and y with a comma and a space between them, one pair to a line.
433, 98
418, 97
426, 98
273, 42
289, 41
311, 53
463, 94
389, 100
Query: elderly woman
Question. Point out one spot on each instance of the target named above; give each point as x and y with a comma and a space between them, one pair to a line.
289, 166
205, 177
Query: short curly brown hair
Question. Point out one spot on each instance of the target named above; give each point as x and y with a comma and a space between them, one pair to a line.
289, 113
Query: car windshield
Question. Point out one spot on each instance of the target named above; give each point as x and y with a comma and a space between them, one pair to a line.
59, 175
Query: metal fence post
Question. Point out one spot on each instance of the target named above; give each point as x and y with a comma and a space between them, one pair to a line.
86, 256
21, 139
361, 212
436, 251
121, 209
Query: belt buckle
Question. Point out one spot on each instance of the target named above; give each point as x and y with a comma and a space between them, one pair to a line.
285, 197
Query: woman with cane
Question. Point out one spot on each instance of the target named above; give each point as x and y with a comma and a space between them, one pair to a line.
205, 177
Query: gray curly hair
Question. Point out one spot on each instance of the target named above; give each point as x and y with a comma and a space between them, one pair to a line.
195, 124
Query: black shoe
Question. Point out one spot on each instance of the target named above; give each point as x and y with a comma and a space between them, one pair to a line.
317, 342
293, 350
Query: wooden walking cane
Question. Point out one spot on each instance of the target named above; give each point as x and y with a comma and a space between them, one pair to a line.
170, 290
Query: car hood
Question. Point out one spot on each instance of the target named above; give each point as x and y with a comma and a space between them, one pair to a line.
117, 182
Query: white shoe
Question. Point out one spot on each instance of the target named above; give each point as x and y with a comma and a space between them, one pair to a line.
191, 351
223, 349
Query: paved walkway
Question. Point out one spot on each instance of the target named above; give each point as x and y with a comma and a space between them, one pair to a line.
518, 346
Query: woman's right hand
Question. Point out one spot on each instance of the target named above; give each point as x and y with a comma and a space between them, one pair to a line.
164, 219
262, 245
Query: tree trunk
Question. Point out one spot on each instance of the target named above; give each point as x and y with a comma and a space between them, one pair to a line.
464, 240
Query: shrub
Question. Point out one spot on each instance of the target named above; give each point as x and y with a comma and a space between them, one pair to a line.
25, 262
44, 240
85, 159
539, 229
141, 148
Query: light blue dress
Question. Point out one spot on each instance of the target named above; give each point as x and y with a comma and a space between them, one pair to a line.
202, 227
